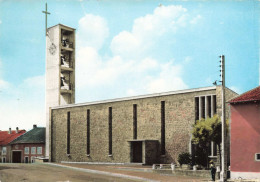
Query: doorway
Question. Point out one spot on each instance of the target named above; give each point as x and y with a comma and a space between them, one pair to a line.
137, 152
26, 159
17, 156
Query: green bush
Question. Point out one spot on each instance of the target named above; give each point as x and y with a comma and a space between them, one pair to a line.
184, 158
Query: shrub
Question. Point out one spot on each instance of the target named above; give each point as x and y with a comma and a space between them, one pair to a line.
184, 158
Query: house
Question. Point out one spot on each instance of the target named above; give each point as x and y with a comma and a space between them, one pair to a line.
245, 135
5, 148
29, 146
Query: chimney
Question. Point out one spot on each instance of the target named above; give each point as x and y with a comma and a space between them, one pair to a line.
17, 129
10, 131
34, 126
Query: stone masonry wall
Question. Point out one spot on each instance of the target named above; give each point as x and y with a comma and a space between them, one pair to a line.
179, 117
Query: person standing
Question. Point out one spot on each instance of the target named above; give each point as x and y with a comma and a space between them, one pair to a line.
212, 170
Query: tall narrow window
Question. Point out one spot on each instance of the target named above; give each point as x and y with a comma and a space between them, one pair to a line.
215, 104
197, 108
110, 130
203, 107
68, 132
162, 127
209, 106
88, 132
134, 121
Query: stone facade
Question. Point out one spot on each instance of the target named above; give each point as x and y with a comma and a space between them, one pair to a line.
179, 118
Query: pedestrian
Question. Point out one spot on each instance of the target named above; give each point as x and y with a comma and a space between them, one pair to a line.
212, 170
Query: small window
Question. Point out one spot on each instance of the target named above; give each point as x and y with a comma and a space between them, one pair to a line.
4, 151
26, 150
257, 157
33, 150
39, 150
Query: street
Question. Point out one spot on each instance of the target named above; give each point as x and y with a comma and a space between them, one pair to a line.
82, 172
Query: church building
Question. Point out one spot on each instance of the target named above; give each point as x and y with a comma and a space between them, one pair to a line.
148, 129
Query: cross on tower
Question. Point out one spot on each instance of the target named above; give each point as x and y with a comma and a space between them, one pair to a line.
46, 13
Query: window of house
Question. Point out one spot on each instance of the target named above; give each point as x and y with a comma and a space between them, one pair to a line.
39, 150
3, 150
26, 150
33, 150
257, 156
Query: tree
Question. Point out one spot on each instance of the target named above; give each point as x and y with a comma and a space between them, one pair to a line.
206, 131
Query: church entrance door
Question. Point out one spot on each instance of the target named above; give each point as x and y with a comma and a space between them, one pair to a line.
137, 152
17, 156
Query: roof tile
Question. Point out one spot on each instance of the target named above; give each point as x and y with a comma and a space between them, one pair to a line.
6, 138
36, 135
249, 96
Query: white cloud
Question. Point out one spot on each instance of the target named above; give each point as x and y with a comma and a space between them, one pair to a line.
169, 79
23, 105
195, 19
92, 31
4, 84
130, 70
0, 21
148, 30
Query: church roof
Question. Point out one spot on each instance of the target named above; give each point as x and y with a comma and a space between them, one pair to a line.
249, 96
36, 135
6, 138
138, 97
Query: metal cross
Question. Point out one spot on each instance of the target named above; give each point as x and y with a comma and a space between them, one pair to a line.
46, 13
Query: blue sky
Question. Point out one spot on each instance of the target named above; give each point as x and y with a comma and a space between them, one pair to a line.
125, 48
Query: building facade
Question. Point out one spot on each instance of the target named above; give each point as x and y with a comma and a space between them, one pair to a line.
29, 146
6, 137
245, 135
145, 129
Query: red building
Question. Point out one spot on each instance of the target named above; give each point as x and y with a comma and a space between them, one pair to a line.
5, 138
29, 146
245, 135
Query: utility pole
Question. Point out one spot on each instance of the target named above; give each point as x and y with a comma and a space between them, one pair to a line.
223, 120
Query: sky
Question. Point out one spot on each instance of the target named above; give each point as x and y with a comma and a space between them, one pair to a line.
125, 48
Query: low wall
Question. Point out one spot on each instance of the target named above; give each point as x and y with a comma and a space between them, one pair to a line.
179, 172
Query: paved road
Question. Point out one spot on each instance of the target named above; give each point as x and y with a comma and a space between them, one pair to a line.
47, 173
80, 173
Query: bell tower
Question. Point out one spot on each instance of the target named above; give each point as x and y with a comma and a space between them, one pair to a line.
60, 70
